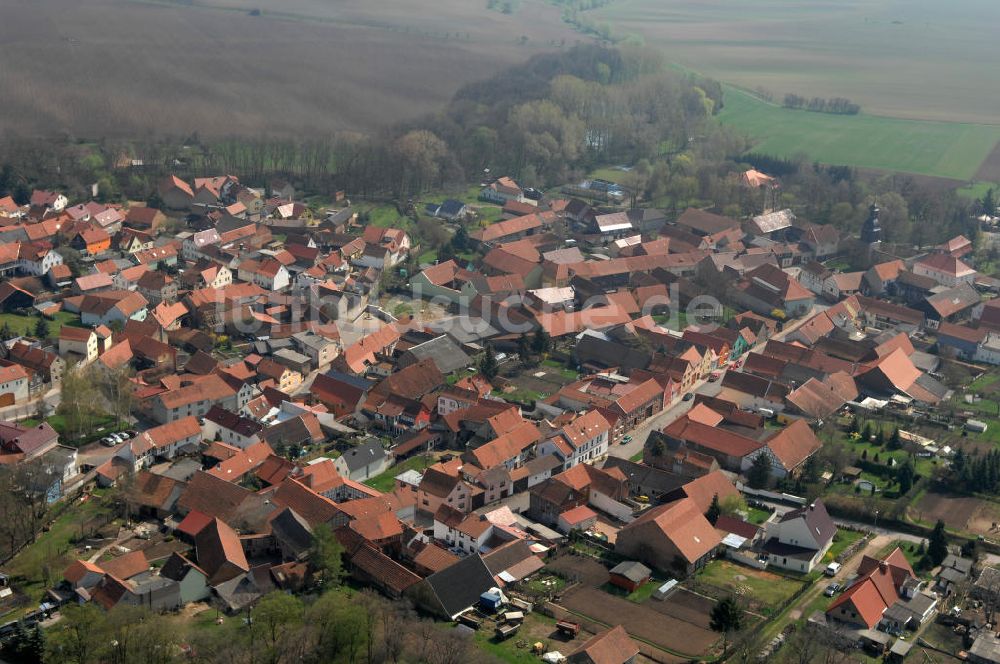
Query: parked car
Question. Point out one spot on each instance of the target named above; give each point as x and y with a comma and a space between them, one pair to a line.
714, 376
832, 589
687, 397
108, 441
626, 440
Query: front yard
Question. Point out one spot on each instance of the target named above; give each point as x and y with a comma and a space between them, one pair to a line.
842, 540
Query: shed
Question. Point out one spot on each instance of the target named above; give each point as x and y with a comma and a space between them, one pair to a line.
630, 575
490, 601
900, 649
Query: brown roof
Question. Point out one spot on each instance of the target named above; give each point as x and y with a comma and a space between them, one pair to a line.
79, 569
209, 388
155, 491
383, 569
817, 398
308, 504
507, 446
71, 333
502, 229
434, 558
212, 496
220, 552
706, 222
684, 524
703, 489
612, 646
126, 566
413, 381
794, 444
377, 528
169, 433
719, 440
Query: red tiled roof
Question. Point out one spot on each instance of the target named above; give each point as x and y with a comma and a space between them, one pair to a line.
192, 524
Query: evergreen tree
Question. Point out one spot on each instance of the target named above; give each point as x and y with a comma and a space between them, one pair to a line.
864, 455
488, 365
726, 617
989, 203
880, 437
714, 511
760, 472
904, 475
937, 544
524, 349
852, 426
810, 470
866, 432
894, 441
41, 328
541, 343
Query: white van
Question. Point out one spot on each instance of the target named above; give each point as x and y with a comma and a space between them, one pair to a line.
832, 569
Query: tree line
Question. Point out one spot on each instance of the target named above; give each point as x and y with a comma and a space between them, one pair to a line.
337, 626
834, 105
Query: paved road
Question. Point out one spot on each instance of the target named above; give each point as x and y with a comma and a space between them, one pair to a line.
641, 433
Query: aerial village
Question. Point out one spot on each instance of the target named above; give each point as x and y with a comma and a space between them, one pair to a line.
590, 433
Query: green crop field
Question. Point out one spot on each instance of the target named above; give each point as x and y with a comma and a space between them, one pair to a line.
942, 149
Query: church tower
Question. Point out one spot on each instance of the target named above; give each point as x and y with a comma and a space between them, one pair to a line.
871, 230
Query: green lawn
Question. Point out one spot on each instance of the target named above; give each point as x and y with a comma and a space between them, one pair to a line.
978, 189
52, 551
842, 540
757, 516
427, 257
103, 425
385, 216
516, 649
25, 325
943, 149
387, 480
664, 320
766, 588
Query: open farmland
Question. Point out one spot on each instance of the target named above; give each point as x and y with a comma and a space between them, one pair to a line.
923, 72
940, 149
117, 68
921, 59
